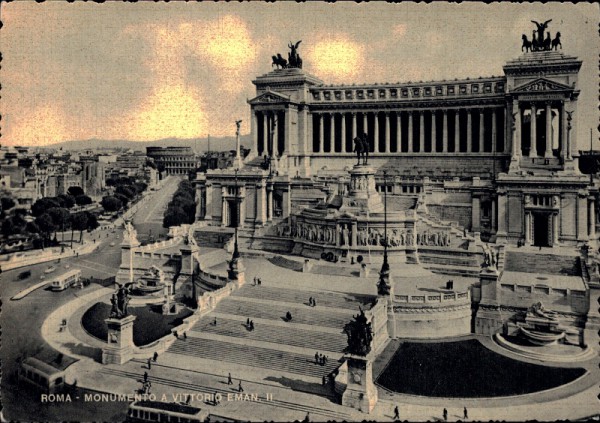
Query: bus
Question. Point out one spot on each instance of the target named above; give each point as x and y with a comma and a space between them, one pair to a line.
65, 280
171, 412
42, 376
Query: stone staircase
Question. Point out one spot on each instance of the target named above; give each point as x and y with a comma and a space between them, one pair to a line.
212, 238
275, 345
548, 264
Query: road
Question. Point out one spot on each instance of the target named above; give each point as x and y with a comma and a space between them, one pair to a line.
21, 320
148, 220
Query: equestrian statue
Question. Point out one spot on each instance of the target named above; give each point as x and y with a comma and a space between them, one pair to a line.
361, 148
294, 60
538, 41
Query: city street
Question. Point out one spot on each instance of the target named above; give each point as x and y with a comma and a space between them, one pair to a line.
21, 320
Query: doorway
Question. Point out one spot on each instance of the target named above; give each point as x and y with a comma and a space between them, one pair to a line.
542, 229
233, 214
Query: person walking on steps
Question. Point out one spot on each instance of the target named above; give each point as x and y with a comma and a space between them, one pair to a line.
155, 356
465, 414
229, 381
240, 389
396, 413
445, 414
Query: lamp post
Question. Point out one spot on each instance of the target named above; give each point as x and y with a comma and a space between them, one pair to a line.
236, 253
384, 285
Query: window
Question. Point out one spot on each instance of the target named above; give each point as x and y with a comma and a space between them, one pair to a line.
416, 92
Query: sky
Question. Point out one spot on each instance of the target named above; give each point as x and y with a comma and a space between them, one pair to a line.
146, 71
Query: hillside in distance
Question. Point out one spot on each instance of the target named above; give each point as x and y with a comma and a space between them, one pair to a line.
198, 144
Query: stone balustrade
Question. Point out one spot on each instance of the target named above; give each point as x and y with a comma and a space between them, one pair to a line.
433, 298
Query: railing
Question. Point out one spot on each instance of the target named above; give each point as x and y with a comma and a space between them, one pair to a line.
432, 299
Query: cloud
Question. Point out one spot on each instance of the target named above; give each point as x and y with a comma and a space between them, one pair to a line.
43, 125
170, 111
337, 58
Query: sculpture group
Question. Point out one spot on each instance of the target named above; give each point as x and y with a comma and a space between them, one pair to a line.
360, 335
294, 60
120, 300
539, 42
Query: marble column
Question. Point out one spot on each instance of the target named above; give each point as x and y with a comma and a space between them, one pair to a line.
445, 131
555, 229
592, 219
501, 233
548, 152
387, 132
527, 228
353, 126
332, 132
582, 217
266, 134
224, 208
321, 133
533, 136
344, 146
398, 132
475, 214
433, 132
456, 131
354, 234
365, 124
275, 140
208, 202
254, 130
469, 131
563, 131
493, 215
421, 131
376, 133
410, 131
516, 132
481, 131
269, 204
494, 132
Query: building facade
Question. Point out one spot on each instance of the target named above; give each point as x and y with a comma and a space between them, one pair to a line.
176, 160
498, 155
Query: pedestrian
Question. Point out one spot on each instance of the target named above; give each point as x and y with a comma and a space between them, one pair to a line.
325, 359
316, 358
321, 358
445, 414
259, 281
314, 302
465, 414
184, 335
324, 380
396, 413
155, 356
216, 400
215, 322
176, 334
254, 281
307, 418
251, 325
145, 377
248, 321
229, 381
149, 364
240, 389
310, 301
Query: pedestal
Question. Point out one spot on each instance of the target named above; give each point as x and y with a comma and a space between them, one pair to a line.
120, 341
360, 392
236, 272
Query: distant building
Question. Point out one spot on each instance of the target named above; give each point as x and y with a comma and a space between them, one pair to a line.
175, 160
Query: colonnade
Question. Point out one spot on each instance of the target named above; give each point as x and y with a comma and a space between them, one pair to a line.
538, 137
269, 133
466, 130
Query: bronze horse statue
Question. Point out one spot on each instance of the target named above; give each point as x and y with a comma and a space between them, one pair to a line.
556, 42
361, 147
527, 45
279, 61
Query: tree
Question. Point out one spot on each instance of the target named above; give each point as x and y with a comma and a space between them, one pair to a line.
60, 217
79, 223
174, 216
92, 221
42, 205
8, 227
46, 225
123, 198
83, 200
75, 191
126, 190
111, 203
7, 203
68, 201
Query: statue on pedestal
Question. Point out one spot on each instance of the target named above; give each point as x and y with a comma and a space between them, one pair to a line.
119, 301
360, 335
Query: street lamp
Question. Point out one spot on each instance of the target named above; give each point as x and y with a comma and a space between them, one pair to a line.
236, 252
384, 286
